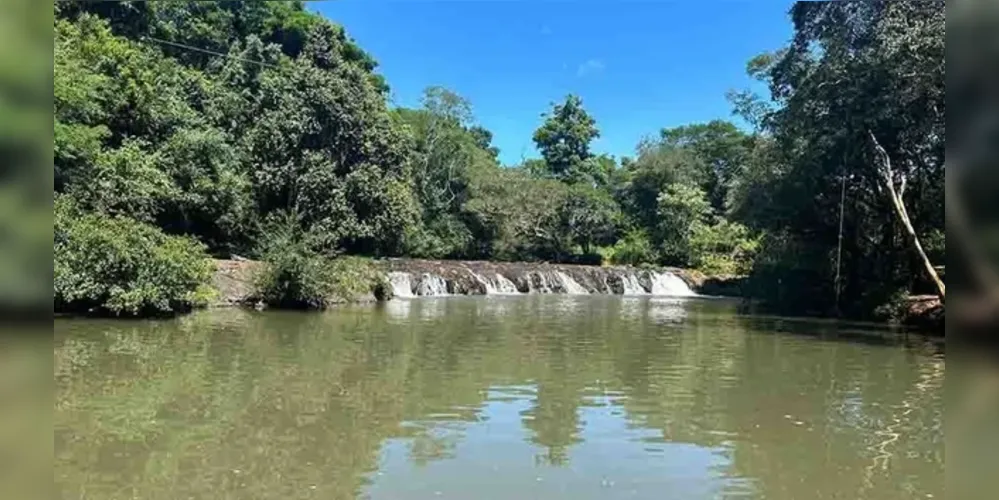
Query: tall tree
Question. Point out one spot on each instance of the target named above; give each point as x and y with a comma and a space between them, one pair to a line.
721, 150
856, 70
564, 140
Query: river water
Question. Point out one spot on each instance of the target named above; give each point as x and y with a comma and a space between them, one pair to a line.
547, 397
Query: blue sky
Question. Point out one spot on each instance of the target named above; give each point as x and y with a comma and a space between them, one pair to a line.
639, 66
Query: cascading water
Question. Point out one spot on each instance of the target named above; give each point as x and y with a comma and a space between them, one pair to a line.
431, 284
402, 284
669, 284
497, 284
487, 285
631, 285
538, 282
504, 286
548, 280
570, 285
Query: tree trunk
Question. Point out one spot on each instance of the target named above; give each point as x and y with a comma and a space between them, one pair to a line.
903, 215
895, 196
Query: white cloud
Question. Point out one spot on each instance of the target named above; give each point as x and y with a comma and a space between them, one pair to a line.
589, 67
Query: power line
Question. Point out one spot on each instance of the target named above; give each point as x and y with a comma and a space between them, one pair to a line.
206, 51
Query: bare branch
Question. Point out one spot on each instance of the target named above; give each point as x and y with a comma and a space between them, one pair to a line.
895, 196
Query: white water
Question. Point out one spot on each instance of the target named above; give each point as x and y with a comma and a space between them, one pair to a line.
490, 288
543, 285
666, 284
631, 285
497, 284
505, 286
569, 285
402, 284
669, 284
431, 284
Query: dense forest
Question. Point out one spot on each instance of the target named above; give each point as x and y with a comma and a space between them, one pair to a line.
260, 129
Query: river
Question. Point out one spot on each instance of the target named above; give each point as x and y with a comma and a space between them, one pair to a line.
519, 397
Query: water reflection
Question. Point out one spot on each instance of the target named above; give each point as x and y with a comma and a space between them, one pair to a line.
499, 397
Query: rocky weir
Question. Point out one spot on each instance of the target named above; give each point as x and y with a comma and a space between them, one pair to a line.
420, 278
412, 278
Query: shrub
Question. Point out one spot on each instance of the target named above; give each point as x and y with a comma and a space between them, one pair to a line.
634, 249
894, 309
296, 276
681, 208
722, 248
117, 265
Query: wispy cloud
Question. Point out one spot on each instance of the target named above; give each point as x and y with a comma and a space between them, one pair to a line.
590, 67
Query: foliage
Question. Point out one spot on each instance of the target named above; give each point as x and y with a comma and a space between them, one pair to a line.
722, 248
516, 216
852, 70
447, 150
633, 249
120, 266
564, 141
681, 208
295, 275
719, 149
589, 217
656, 168
294, 119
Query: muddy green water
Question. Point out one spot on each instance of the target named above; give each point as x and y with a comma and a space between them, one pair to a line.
545, 397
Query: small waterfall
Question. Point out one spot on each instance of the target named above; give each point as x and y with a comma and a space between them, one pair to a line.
431, 284
546, 280
502, 286
669, 284
607, 287
487, 285
402, 284
569, 285
497, 284
538, 282
631, 285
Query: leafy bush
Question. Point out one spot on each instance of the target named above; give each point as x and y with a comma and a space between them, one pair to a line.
296, 276
445, 236
722, 248
894, 309
681, 207
121, 266
634, 249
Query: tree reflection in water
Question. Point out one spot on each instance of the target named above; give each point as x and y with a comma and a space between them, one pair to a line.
605, 393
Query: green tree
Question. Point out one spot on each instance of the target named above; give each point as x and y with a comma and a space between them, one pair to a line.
484, 140
515, 215
720, 148
117, 265
590, 217
447, 148
855, 73
564, 141
656, 168
681, 209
